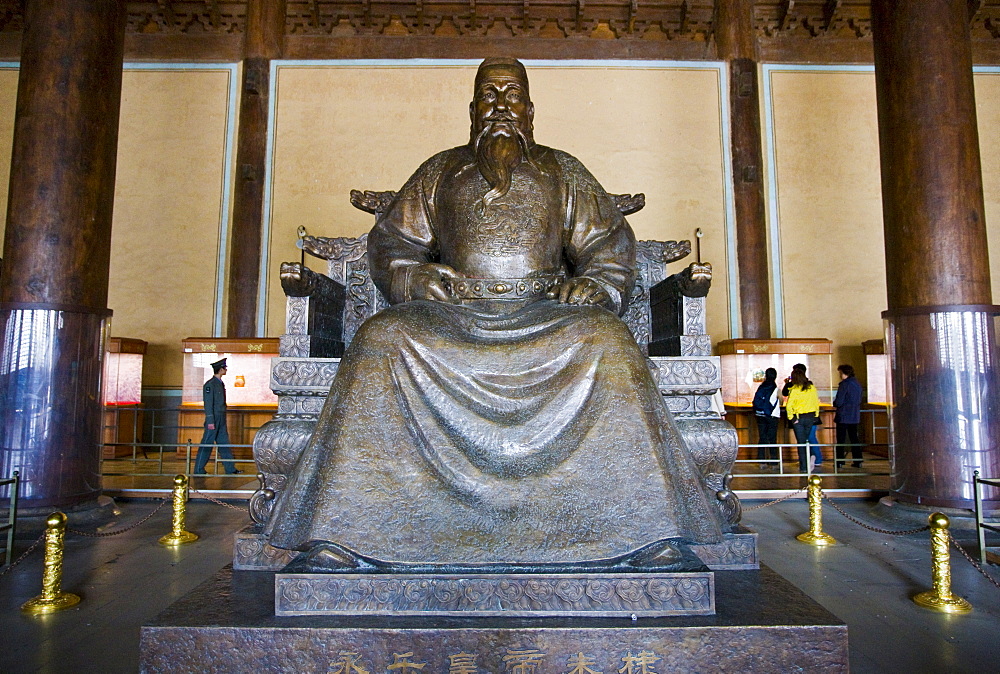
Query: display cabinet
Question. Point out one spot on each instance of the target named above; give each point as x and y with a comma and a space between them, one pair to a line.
875, 417
249, 398
122, 395
743, 364
877, 367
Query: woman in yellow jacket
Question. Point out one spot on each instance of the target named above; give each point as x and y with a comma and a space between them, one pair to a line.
802, 408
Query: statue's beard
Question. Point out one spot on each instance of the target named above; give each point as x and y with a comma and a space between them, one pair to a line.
500, 148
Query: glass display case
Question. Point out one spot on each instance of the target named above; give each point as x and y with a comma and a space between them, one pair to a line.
877, 365
122, 395
248, 369
743, 365
249, 398
123, 371
744, 362
875, 412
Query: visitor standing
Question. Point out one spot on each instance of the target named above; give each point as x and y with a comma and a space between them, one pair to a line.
848, 416
767, 409
802, 408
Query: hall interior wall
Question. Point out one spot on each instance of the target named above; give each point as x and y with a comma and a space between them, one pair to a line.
654, 131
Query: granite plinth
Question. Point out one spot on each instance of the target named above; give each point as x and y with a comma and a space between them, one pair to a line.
762, 624
509, 594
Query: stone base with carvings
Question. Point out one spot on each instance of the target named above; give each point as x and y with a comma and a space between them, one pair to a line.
515, 595
762, 624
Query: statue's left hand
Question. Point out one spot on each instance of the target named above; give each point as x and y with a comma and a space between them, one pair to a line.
580, 290
429, 281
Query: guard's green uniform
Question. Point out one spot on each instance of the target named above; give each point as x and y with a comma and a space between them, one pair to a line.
215, 413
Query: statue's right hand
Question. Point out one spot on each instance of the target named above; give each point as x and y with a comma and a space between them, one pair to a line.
429, 281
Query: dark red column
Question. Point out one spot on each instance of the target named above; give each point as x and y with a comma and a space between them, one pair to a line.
940, 333
54, 288
265, 34
736, 44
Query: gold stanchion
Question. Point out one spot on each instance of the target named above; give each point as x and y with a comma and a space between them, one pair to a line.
815, 535
940, 597
52, 598
178, 536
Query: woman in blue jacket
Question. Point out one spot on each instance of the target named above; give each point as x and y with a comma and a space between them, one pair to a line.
848, 417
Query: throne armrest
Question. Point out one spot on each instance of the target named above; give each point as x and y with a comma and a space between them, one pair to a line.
315, 313
677, 312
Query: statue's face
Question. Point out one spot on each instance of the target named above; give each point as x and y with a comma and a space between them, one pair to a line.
502, 100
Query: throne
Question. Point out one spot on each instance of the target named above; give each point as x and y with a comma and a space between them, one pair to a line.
666, 314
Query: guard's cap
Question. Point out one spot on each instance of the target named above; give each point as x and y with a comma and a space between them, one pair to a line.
218, 365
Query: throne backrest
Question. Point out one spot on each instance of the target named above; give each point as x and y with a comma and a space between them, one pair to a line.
347, 264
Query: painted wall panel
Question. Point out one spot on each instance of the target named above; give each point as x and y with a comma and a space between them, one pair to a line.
8, 102
656, 130
169, 207
829, 215
988, 117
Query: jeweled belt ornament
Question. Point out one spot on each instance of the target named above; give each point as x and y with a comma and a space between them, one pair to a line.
503, 288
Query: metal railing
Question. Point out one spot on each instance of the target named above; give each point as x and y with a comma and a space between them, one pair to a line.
166, 456
787, 452
162, 425
10, 526
164, 460
982, 524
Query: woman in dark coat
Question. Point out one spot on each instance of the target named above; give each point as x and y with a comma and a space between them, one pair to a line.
848, 417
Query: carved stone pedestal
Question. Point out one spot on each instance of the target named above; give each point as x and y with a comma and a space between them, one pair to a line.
762, 624
514, 595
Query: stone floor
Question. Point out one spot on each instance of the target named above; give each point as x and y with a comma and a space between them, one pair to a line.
866, 580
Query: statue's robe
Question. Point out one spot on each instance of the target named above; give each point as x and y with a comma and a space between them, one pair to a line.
496, 430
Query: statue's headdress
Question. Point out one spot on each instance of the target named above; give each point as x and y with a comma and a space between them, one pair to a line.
499, 66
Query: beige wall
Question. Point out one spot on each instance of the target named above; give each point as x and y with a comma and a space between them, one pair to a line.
8, 100
829, 214
655, 131
168, 211
988, 114
168, 207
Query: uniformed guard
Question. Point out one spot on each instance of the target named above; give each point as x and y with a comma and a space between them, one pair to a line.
216, 430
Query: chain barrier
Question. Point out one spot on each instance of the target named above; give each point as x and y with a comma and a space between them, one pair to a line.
890, 532
105, 534
974, 563
23, 556
777, 500
215, 500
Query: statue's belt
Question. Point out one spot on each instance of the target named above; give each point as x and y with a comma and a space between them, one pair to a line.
503, 288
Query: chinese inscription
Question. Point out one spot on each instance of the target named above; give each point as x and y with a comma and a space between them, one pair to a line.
462, 663
582, 664
523, 661
401, 663
639, 664
348, 664
515, 661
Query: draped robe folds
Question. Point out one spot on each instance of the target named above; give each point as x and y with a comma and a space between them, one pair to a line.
518, 431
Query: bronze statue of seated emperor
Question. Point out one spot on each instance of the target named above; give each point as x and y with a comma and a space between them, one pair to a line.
499, 412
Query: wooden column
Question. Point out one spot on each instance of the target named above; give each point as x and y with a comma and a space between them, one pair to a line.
265, 34
736, 44
940, 319
54, 289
